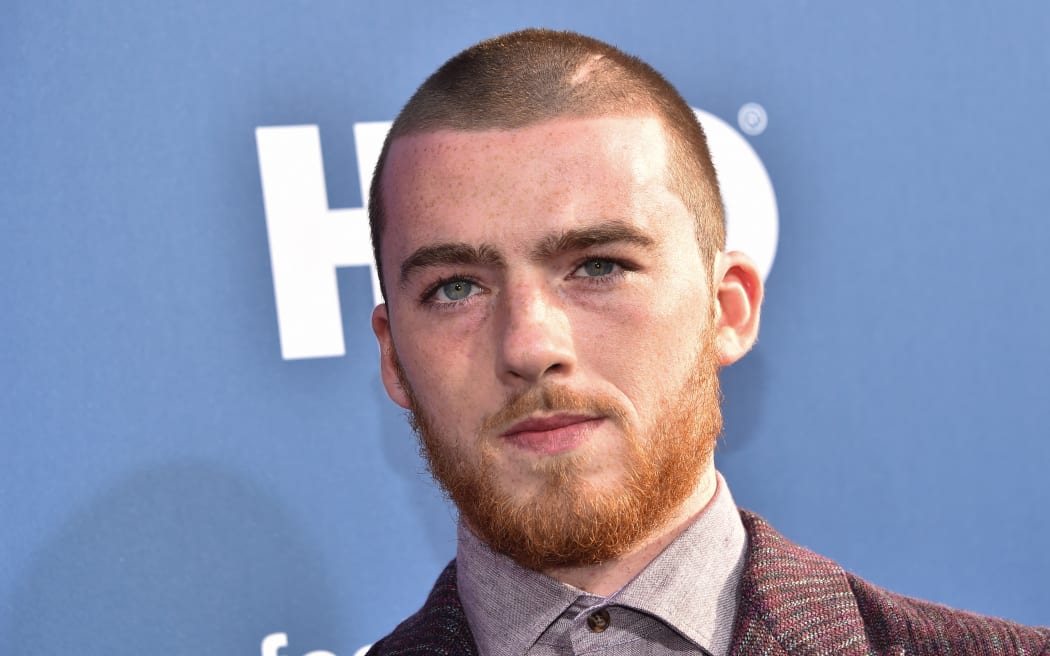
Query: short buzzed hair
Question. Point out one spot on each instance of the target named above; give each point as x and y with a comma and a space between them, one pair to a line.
527, 77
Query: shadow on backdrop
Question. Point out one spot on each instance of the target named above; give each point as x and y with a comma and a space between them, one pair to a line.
400, 447
743, 389
184, 558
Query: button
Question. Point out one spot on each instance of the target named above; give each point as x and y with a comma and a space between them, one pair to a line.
598, 621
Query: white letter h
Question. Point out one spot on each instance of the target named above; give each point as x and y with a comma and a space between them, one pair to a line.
308, 241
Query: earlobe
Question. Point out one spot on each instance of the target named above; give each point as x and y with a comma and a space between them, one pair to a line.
388, 357
738, 303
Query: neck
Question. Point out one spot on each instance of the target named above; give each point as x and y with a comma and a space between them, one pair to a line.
606, 578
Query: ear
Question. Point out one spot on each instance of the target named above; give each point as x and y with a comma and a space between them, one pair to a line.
738, 302
388, 357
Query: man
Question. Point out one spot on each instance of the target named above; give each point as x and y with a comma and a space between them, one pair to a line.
550, 240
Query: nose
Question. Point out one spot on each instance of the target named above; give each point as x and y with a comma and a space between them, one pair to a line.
535, 340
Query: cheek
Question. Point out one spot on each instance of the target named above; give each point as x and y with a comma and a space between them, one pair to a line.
656, 320
646, 346
443, 367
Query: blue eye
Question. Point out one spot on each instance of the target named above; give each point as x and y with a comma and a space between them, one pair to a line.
596, 268
455, 290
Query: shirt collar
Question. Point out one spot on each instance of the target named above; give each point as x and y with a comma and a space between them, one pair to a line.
692, 585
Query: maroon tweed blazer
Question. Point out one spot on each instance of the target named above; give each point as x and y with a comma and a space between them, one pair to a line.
793, 603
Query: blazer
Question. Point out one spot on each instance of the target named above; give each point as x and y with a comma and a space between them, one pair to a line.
792, 603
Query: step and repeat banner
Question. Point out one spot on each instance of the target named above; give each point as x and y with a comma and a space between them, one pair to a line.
199, 457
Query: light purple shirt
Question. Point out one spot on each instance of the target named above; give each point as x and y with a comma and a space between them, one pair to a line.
683, 602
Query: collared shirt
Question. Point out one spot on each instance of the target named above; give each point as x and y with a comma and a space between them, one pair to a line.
683, 602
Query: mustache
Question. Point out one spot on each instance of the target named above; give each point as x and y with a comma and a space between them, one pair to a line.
553, 398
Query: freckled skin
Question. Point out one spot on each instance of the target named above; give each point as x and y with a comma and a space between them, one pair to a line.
636, 339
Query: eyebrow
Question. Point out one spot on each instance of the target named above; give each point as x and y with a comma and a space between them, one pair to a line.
463, 254
609, 232
453, 253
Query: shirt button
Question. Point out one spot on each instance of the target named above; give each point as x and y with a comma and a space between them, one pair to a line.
598, 621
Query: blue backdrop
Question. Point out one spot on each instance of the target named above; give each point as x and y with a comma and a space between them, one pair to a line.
173, 485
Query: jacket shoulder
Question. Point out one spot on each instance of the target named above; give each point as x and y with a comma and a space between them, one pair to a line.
796, 602
439, 628
898, 624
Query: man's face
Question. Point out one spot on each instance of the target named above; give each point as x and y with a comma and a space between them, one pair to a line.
549, 323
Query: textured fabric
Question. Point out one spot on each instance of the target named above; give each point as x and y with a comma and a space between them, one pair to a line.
793, 602
684, 600
438, 628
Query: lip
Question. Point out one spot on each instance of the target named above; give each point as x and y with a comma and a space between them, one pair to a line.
552, 435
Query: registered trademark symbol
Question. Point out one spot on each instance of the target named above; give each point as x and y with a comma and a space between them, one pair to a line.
752, 118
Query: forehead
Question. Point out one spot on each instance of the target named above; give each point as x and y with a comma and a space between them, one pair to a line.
636, 145
502, 185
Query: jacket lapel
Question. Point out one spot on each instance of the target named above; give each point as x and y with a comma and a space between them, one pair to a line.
439, 628
794, 602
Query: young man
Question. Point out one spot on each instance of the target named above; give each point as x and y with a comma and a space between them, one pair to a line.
550, 238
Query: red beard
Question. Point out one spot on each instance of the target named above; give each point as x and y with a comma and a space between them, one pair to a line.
570, 523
